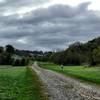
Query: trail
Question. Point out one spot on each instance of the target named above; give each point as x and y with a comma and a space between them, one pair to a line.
60, 87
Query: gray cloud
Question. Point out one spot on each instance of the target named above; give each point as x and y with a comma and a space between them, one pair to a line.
54, 27
13, 5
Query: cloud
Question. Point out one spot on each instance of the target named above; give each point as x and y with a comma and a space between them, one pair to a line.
48, 28
8, 7
56, 12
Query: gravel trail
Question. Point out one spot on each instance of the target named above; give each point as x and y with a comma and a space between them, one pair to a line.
60, 87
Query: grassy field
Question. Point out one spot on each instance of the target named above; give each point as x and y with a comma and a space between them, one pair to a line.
20, 83
91, 74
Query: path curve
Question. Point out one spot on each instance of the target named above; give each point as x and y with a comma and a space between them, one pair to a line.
60, 87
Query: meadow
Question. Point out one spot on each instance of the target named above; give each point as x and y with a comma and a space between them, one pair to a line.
20, 83
90, 74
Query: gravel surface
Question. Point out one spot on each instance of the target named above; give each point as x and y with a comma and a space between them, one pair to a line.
60, 87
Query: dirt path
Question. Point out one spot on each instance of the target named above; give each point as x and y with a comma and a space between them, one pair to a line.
60, 87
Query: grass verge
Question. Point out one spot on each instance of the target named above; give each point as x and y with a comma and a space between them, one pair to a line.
90, 74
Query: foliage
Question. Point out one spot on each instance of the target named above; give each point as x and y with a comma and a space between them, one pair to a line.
9, 49
79, 54
95, 56
7, 57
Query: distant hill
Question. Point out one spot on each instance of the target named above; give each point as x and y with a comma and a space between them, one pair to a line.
79, 53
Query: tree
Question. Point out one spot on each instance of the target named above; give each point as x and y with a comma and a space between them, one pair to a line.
17, 62
1, 49
95, 56
23, 62
9, 49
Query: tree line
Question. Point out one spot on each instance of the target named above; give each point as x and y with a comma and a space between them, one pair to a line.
77, 54
8, 57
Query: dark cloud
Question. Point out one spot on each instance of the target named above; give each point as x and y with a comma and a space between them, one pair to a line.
54, 27
57, 12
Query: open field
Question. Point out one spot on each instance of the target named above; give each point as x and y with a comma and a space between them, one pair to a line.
19, 83
91, 74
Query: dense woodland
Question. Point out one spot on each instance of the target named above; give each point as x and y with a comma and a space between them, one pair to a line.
79, 54
76, 54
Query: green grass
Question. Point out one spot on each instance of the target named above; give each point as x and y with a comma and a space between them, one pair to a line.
91, 74
20, 83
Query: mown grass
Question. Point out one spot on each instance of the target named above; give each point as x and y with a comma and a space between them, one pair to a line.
20, 83
91, 74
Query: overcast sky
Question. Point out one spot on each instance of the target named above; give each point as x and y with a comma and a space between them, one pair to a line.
48, 24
